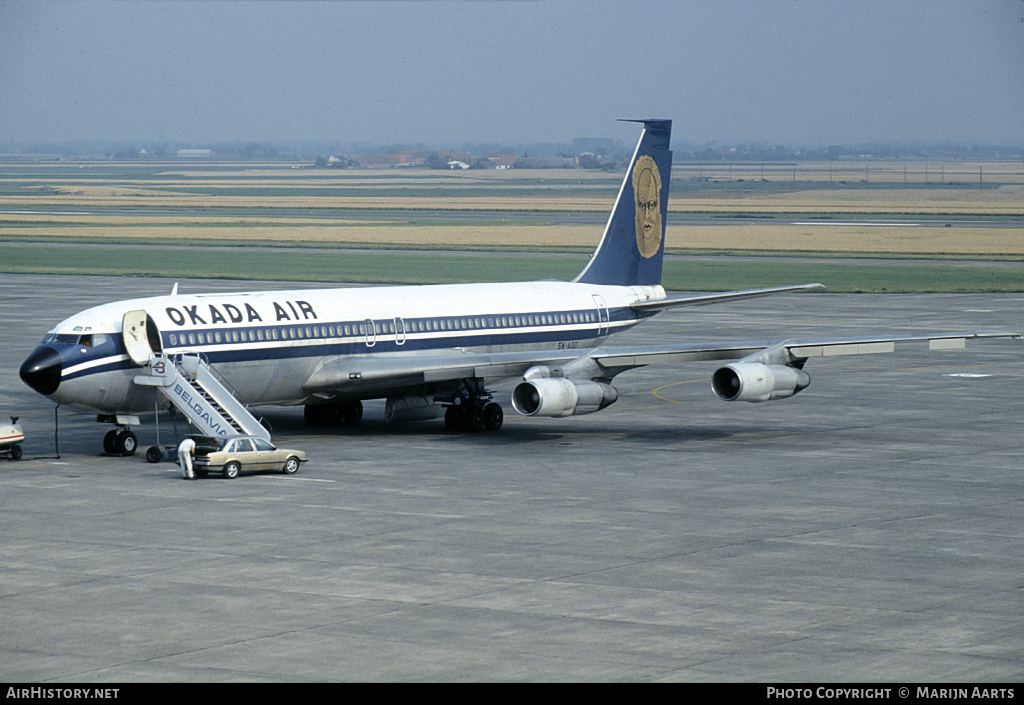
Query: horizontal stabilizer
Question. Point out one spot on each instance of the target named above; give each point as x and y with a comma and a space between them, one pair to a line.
705, 299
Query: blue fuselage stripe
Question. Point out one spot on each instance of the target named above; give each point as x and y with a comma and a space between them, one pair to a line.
326, 339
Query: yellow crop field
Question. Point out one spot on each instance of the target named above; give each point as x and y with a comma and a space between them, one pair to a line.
482, 209
1005, 200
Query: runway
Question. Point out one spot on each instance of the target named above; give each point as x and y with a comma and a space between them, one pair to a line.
868, 529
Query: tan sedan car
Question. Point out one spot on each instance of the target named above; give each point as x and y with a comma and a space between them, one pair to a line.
229, 456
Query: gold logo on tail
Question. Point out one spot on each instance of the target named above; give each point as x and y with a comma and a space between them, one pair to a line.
647, 195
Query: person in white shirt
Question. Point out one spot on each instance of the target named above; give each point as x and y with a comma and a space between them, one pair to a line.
185, 452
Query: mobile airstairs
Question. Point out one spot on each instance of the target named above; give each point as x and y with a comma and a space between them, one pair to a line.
206, 399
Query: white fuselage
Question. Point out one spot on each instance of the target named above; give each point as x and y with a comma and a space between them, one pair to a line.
268, 344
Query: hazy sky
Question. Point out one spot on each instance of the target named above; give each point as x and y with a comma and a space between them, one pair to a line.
796, 72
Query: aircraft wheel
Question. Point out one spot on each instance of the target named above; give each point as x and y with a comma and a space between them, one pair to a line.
125, 443
108, 442
231, 470
291, 466
316, 414
154, 454
352, 412
493, 416
15, 452
453, 419
475, 418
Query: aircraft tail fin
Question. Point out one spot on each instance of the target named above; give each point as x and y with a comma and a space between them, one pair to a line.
633, 245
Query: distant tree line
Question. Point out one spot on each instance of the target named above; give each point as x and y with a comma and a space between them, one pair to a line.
589, 153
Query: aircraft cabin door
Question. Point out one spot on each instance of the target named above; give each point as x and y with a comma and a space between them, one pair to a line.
371, 333
399, 331
602, 315
141, 336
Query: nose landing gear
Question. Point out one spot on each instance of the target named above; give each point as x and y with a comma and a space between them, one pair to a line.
120, 441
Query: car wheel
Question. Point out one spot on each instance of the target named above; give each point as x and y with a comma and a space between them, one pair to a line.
231, 470
291, 466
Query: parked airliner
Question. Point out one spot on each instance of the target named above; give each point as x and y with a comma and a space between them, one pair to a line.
427, 349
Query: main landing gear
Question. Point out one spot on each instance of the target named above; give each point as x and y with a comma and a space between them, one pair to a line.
471, 409
334, 413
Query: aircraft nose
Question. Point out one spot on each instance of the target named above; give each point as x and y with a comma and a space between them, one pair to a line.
42, 369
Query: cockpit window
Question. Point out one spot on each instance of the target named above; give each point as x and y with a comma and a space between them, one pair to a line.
89, 340
62, 338
93, 340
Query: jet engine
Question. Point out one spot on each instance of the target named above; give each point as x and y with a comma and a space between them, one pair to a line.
549, 396
755, 381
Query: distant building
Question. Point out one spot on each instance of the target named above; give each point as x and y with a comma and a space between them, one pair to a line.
502, 161
546, 163
387, 161
195, 154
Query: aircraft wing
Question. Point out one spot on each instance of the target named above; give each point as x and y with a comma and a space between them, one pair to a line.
358, 375
797, 349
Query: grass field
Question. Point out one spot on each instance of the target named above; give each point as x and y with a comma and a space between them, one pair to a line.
159, 220
348, 266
